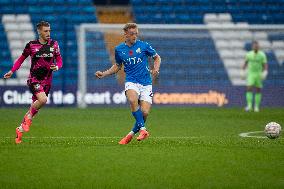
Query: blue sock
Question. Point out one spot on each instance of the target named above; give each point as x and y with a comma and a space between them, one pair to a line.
136, 127
138, 115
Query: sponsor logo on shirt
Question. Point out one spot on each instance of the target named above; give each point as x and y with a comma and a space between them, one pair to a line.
44, 55
133, 60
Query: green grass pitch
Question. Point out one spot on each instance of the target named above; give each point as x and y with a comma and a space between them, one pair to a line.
188, 148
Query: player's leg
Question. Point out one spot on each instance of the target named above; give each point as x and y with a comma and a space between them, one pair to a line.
39, 99
258, 95
132, 94
27, 120
132, 97
145, 108
136, 127
249, 92
145, 104
249, 98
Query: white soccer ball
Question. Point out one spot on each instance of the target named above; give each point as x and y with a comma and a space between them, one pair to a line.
272, 130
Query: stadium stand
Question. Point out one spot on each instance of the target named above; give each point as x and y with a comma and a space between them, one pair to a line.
216, 67
230, 44
111, 15
193, 11
114, 14
63, 16
227, 54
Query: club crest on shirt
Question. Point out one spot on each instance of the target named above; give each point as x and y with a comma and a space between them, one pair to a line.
138, 50
37, 86
130, 52
51, 49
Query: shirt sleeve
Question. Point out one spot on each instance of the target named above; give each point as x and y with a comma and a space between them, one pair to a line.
27, 50
117, 58
18, 63
56, 49
150, 51
57, 55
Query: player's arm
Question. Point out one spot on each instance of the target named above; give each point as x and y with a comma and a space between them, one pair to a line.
245, 65
264, 68
157, 64
17, 64
246, 61
243, 72
157, 59
58, 59
112, 70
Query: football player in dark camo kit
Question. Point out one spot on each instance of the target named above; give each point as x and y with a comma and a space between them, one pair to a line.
44, 53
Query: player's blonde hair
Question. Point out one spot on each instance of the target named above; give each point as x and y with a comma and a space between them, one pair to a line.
41, 24
129, 26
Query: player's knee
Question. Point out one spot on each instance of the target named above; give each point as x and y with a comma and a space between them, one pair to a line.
133, 101
249, 88
145, 113
43, 100
258, 90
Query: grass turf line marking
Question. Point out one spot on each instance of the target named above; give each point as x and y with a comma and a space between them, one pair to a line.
98, 137
247, 134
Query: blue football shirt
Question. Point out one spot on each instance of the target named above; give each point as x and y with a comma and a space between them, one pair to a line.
135, 61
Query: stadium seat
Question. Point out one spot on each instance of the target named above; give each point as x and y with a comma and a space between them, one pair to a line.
28, 13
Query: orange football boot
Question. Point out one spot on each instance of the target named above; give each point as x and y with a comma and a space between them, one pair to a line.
143, 135
126, 139
19, 135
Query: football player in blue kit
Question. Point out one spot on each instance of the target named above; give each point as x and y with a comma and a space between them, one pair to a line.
133, 54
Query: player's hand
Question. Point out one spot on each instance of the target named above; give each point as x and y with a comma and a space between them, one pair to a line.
243, 74
53, 67
99, 74
8, 75
154, 73
264, 74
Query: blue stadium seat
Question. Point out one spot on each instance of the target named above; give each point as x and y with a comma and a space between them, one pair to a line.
60, 14
192, 12
252, 11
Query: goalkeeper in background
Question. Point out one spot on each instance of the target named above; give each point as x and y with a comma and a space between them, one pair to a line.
257, 69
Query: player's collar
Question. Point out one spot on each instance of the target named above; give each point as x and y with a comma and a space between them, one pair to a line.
43, 43
131, 45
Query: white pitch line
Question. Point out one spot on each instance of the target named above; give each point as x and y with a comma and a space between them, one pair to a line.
98, 137
247, 134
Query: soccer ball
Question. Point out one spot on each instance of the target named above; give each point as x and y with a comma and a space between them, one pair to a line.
272, 130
